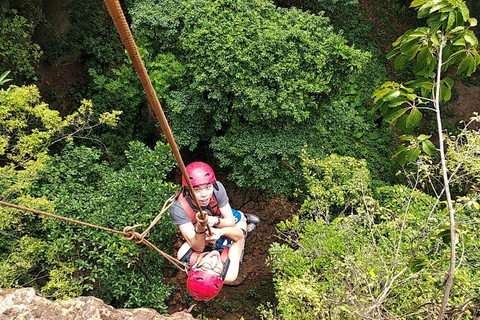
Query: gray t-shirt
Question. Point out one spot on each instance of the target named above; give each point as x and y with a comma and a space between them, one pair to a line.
180, 216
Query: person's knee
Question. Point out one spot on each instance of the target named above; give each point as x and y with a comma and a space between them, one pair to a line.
244, 217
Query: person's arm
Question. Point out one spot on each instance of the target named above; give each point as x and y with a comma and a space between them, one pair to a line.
221, 196
234, 233
237, 234
195, 238
227, 217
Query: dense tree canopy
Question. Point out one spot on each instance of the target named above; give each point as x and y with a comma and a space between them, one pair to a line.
257, 83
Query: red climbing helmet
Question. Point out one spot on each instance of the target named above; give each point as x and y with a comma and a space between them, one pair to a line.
199, 173
203, 285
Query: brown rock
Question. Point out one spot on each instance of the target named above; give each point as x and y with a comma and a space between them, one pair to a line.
25, 304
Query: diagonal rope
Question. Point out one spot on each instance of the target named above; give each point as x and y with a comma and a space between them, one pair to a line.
121, 24
128, 233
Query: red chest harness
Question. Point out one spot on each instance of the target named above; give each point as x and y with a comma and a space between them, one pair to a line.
187, 206
215, 210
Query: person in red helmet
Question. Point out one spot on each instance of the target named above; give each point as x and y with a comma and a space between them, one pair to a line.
213, 198
229, 230
214, 267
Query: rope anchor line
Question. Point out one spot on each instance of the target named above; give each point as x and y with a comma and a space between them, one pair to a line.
128, 232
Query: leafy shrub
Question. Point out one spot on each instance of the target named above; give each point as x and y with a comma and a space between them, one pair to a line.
388, 259
256, 114
85, 188
336, 186
18, 52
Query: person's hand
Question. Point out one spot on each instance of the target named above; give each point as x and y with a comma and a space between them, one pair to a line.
216, 234
213, 220
201, 222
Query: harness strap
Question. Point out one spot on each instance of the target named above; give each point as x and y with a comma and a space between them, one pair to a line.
187, 206
188, 209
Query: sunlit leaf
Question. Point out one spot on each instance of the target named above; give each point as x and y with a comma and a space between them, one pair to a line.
395, 115
428, 147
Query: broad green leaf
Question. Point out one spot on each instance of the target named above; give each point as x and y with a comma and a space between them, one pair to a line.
400, 62
401, 123
446, 93
428, 147
416, 3
392, 117
410, 54
458, 29
422, 137
413, 119
451, 20
412, 155
396, 102
411, 96
464, 10
406, 137
448, 82
394, 44
399, 150
423, 54
464, 64
392, 95
459, 42
470, 38
419, 83
438, 6
401, 157
434, 39
435, 22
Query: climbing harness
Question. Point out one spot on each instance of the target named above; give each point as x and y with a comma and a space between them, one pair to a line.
187, 206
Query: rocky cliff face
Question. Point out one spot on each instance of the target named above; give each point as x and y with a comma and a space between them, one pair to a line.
25, 304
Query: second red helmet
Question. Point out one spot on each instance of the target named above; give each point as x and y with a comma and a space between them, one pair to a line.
199, 173
202, 285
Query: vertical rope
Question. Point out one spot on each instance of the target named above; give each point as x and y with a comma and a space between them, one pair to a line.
121, 24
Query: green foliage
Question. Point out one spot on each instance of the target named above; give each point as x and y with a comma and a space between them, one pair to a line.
336, 185
256, 114
27, 126
18, 52
463, 158
85, 188
28, 129
382, 263
332, 6
91, 34
136, 124
24, 256
59, 285
447, 41
386, 258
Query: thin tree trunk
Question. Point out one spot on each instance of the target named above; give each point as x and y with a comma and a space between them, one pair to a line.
451, 210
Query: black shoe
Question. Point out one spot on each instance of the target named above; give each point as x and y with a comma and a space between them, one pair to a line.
250, 228
251, 218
